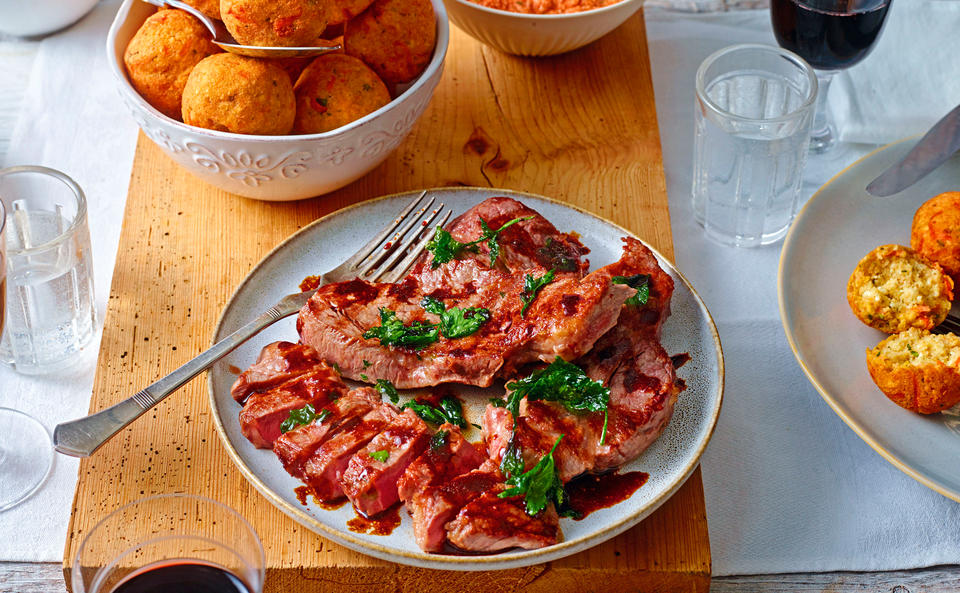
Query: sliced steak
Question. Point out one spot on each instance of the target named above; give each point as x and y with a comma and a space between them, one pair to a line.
533, 243
538, 427
489, 523
264, 411
567, 317
448, 455
278, 363
630, 360
371, 484
323, 469
434, 506
296, 446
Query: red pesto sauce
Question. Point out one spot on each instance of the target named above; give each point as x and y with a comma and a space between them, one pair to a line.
380, 524
591, 493
234, 369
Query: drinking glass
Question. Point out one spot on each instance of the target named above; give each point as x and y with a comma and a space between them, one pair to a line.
50, 307
754, 110
830, 35
26, 452
170, 543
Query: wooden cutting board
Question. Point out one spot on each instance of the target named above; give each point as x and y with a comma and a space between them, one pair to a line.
580, 128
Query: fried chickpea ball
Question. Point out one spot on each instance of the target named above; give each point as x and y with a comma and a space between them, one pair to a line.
334, 90
161, 56
294, 66
238, 94
918, 370
341, 11
394, 37
211, 8
936, 232
276, 23
894, 288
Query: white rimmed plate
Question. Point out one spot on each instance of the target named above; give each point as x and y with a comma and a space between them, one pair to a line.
839, 225
328, 241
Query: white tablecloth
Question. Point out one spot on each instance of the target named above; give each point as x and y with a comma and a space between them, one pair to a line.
788, 486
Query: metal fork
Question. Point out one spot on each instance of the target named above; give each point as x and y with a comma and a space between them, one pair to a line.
950, 325
378, 260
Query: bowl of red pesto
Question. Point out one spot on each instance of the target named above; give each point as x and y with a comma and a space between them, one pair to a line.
539, 27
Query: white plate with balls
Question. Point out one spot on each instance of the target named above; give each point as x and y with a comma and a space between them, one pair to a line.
839, 225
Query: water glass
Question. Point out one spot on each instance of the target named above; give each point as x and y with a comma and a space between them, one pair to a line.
51, 314
171, 542
755, 105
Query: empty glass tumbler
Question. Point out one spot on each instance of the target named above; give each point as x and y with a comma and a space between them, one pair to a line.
755, 105
51, 314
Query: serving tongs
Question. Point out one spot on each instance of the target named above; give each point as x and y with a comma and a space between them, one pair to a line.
223, 39
377, 261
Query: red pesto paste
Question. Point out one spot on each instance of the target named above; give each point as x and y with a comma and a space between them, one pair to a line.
545, 6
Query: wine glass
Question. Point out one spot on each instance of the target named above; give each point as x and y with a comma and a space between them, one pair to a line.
26, 451
830, 35
179, 543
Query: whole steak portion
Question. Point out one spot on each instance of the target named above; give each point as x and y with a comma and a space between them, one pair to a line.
567, 316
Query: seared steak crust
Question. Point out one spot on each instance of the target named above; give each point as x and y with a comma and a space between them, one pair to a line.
489, 523
278, 363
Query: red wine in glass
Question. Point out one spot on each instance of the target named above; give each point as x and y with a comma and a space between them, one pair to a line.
830, 35
182, 577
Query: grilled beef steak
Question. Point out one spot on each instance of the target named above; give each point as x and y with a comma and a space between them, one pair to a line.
566, 318
370, 480
264, 411
489, 523
366, 449
278, 362
293, 448
447, 456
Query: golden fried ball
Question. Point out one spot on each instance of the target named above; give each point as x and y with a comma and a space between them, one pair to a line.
894, 288
936, 232
211, 8
275, 23
341, 11
394, 37
161, 56
334, 90
238, 94
918, 370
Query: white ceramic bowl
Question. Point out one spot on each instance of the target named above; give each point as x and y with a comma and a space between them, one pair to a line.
538, 34
39, 17
277, 168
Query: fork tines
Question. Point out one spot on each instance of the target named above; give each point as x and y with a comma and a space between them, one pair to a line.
950, 325
405, 237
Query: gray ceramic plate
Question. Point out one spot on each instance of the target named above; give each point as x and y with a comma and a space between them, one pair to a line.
839, 225
328, 241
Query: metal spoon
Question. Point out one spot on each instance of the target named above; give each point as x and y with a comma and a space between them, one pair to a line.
223, 38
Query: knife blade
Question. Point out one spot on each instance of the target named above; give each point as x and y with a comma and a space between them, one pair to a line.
933, 150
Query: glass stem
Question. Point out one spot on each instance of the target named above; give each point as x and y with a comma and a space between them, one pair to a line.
823, 132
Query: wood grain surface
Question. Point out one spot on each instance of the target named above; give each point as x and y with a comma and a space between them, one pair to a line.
579, 127
47, 577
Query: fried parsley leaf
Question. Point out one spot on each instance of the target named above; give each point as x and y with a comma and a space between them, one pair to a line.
562, 382
512, 462
641, 282
539, 486
392, 332
445, 248
388, 390
532, 286
456, 322
381, 455
440, 440
450, 411
304, 415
